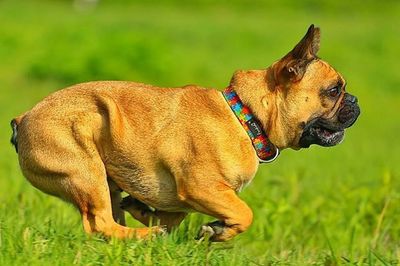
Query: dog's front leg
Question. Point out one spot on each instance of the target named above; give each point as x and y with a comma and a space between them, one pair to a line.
233, 214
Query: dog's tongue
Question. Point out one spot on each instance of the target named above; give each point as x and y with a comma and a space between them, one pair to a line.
326, 133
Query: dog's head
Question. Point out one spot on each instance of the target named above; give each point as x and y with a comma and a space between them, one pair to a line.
300, 99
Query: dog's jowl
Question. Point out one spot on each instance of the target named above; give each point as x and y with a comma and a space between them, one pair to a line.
178, 150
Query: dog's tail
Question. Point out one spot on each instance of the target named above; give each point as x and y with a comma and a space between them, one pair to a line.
14, 126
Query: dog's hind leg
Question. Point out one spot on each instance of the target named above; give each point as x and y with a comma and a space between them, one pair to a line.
88, 190
95, 205
74, 171
147, 216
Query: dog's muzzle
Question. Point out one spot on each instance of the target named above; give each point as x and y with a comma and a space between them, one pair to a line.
330, 132
349, 111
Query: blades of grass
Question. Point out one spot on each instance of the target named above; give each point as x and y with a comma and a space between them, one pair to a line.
380, 258
1, 232
370, 258
350, 247
332, 251
379, 223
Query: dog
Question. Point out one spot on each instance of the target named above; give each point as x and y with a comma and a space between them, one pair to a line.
179, 150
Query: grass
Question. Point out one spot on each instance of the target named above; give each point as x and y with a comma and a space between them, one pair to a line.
313, 207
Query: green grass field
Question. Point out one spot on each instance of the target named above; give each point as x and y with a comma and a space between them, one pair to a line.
317, 206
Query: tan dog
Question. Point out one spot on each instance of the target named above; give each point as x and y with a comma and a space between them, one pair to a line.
176, 150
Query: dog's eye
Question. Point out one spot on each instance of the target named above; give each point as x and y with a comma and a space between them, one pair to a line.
334, 92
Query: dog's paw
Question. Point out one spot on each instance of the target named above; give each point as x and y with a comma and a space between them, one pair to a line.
205, 231
211, 230
162, 230
156, 231
149, 233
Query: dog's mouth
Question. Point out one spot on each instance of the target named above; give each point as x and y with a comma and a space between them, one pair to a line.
321, 133
330, 132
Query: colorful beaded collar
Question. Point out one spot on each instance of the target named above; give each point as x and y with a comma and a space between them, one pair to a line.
265, 149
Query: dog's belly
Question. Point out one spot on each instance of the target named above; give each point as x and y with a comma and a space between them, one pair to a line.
157, 189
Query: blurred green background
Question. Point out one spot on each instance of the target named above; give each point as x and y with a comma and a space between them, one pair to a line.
320, 206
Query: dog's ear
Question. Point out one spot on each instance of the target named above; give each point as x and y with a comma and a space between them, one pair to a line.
293, 65
308, 47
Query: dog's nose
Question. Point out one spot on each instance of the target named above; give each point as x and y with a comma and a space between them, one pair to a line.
349, 111
350, 98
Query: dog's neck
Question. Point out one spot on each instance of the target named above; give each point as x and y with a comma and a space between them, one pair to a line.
256, 89
266, 151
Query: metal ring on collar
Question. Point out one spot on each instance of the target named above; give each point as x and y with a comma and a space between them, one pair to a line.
272, 159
